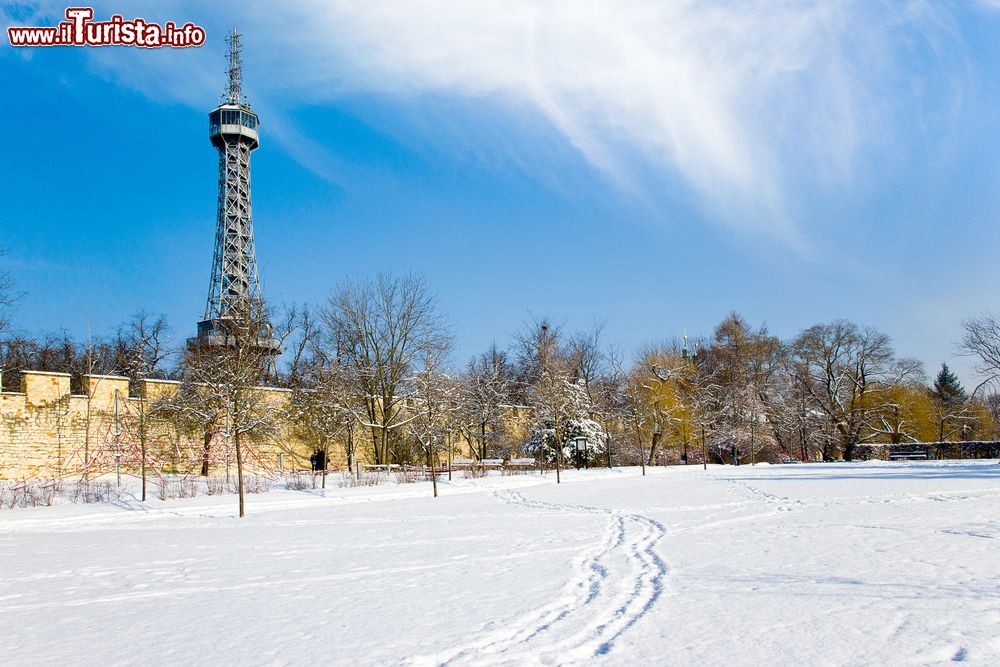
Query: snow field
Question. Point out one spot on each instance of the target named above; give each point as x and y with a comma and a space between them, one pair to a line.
833, 564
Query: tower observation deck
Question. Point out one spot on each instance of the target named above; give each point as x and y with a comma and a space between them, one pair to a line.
234, 293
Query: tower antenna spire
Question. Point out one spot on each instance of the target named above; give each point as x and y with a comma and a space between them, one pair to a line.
234, 69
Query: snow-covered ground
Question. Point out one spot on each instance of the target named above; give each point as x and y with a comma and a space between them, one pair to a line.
833, 564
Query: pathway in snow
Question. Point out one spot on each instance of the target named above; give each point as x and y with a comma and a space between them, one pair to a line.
612, 587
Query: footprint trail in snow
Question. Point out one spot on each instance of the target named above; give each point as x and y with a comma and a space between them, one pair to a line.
612, 587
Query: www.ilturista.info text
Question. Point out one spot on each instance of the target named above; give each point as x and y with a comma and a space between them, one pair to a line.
80, 30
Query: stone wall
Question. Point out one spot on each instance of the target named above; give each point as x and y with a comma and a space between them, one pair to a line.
46, 431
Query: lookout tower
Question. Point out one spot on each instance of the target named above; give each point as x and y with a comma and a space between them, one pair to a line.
234, 289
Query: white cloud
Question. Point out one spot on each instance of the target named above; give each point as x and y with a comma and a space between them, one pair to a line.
740, 99
745, 102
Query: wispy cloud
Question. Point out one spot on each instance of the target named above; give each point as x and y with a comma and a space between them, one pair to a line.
746, 103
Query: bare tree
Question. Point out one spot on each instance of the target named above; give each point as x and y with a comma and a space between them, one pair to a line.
628, 405
981, 340
7, 298
230, 371
377, 329
143, 350
195, 413
487, 389
586, 356
845, 371
740, 366
321, 410
433, 398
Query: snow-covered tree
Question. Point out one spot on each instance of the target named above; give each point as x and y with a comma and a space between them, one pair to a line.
143, 350
377, 329
7, 299
228, 375
563, 415
321, 409
847, 372
434, 400
739, 369
487, 390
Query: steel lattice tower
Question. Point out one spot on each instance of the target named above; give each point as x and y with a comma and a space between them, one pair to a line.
234, 287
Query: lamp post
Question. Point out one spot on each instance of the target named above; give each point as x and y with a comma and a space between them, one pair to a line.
581, 448
704, 450
118, 443
227, 434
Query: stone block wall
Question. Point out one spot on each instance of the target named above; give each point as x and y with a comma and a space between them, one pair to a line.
47, 431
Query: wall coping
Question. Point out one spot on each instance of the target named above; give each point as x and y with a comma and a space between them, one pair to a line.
122, 377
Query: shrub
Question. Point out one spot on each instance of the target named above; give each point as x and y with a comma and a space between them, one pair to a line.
256, 484
347, 480
406, 476
297, 481
186, 487
215, 485
89, 491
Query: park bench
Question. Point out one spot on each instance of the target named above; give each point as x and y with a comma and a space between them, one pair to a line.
907, 456
522, 463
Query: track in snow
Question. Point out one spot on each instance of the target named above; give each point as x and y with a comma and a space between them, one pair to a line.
612, 587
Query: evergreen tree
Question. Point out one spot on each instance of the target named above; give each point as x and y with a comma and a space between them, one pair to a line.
947, 389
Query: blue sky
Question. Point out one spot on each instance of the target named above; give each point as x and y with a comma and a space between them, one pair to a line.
653, 165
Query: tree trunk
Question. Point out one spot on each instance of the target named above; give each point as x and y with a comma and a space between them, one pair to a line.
430, 464
482, 441
652, 448
377, 445
558, 456
350, 448
704, 450
239, 470
642, 457
142, 446
206, 452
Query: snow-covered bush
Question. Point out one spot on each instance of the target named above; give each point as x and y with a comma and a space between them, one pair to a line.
297, 481
215, 485
407, 476
542, 441
564, 407
256, 484
475, 472
88, 491
347, 480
